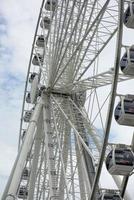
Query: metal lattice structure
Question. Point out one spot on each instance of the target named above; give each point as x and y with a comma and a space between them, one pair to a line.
61, 150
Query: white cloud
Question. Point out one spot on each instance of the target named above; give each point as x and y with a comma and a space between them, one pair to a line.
21, 18
17, 26
7, 157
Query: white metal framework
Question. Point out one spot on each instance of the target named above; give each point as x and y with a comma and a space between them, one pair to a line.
61, 147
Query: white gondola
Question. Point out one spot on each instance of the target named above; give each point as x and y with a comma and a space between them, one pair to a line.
109, 196
51, 5
41, 89
124, 111
32, 75
34, 89
37, 60
129, 16
45, 23
120, 161
23, 192
28, 98
28, 115
25, 174
127, 61
40, 42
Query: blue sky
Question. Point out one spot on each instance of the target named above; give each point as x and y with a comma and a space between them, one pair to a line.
17, 25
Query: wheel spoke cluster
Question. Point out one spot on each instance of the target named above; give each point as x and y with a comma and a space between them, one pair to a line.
64, 129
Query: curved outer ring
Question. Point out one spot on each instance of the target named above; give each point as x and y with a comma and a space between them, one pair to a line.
112, 99
113, 92
25, 90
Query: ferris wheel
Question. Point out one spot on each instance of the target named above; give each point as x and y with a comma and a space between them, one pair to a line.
69, 104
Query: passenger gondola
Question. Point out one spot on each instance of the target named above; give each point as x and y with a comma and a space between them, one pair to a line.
32, 75
45, 23
34, 89
28, 115
51, 5
25, 174
28, 98
129, 16
109, 196
41, 89
40, 42
37, 60
120, 161
124, 111
23, 192
127, 62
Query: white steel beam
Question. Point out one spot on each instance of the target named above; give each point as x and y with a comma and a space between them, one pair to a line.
111, 101
37, 145
63, 154
100, 14
118, 182
64, 158
83, 177
96, 81
49, 149
20, 162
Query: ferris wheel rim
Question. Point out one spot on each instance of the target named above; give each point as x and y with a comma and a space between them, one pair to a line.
33, 45
29, 69
113, 95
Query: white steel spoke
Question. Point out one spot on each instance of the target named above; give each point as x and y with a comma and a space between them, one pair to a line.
38, 139
69, 102
98, 17
49, 150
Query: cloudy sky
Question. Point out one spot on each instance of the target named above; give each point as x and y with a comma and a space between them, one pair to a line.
17, 25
